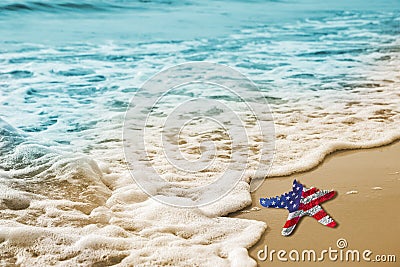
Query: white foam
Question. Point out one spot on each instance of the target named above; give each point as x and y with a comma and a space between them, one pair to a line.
139, 234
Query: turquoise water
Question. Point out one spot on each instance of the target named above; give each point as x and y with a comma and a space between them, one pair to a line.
63, 62
141, 21
68, 70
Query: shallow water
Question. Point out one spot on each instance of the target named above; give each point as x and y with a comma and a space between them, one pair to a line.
69, 69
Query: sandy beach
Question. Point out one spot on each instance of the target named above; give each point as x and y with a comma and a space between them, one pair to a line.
367, 183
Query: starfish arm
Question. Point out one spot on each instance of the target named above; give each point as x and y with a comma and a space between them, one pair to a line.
268, 202
327, 221
318, 213
291, 222
317, 198
321, 195
273, 202
323, 218
288, 231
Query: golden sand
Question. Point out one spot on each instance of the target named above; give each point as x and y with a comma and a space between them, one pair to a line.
366, 208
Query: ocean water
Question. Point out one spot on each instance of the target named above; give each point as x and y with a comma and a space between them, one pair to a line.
68, 70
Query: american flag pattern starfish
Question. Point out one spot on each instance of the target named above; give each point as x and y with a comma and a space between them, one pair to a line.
299, 202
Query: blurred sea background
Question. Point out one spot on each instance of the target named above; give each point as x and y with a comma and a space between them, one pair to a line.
68, 69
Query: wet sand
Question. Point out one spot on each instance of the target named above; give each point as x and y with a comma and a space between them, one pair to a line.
366, 208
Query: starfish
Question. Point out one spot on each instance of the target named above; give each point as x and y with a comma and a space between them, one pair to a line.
299, 202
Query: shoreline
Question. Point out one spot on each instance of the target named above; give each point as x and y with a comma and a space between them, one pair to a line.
332, 150
367, 182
